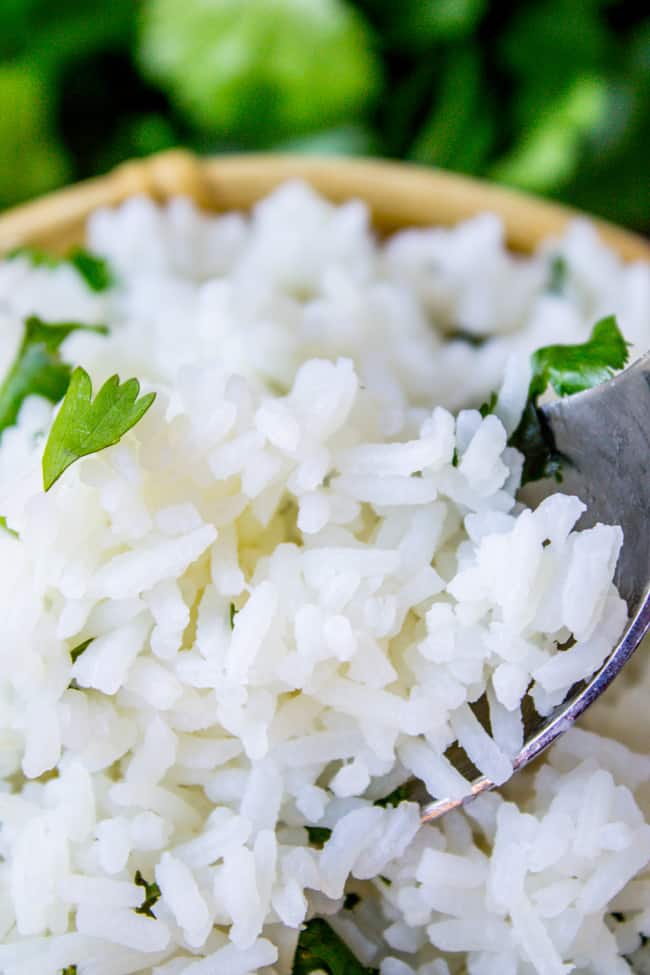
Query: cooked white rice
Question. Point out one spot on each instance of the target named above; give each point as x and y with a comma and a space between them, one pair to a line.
303, 463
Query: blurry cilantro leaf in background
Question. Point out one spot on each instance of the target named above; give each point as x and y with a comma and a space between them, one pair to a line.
547, 95
274, 67
94, 270
459, 132
548, 153
31, 160
413, 24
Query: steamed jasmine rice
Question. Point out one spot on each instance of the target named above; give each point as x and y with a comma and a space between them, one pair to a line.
228, 637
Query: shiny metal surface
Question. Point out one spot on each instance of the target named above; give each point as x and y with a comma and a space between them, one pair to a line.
604, 434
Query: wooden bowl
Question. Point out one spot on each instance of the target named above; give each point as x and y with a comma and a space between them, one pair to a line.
398, 195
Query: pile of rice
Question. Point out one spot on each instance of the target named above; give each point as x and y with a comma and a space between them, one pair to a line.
298, 572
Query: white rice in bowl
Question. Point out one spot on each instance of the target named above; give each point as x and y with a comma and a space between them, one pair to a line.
294, 577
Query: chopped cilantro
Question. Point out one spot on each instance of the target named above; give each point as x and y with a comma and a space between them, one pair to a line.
470, 338
79, 649
233, 613
321, 950
36, 256
151, 895
70, 970
567, 369
401, 793
351, 901
535, 441
5, 527
318, 835
84, 426
574, 368
38, 369
93, 269
454, 459
489, 407
558, 272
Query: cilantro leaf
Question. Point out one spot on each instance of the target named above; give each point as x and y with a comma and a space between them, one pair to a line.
70, 970
151, 895
574, 368
84, 426
568, 369
36, 256
535, 441
400, 794
38, 369
321, 949
489, 407
94, 270
79, 649
233, 612
5, 527
558, 272
318, 835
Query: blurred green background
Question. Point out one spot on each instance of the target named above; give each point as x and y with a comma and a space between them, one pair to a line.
552, 96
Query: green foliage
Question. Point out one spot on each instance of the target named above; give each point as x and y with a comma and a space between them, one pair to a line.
76, 652
277, 66
567, 369
414, 26
318, 835
38, 369
151, 895
93, 269
5, 527
557, 276
551, 96
401, 794
321, 950
573, 368
85, 426
31, 161
459, 131
548, 152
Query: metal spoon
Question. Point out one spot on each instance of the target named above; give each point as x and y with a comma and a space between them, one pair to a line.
604, 434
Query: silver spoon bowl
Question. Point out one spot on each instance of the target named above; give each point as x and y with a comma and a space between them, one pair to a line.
604, 436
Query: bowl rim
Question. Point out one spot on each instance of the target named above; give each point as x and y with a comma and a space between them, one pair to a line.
399, 194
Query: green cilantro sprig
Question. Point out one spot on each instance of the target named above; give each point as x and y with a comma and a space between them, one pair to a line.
321, 949
37, 369
558, 273
94, 270
85, 426
567, 369
76, 652
401, 794
151, 895
5, 527
574, 368
318, 835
